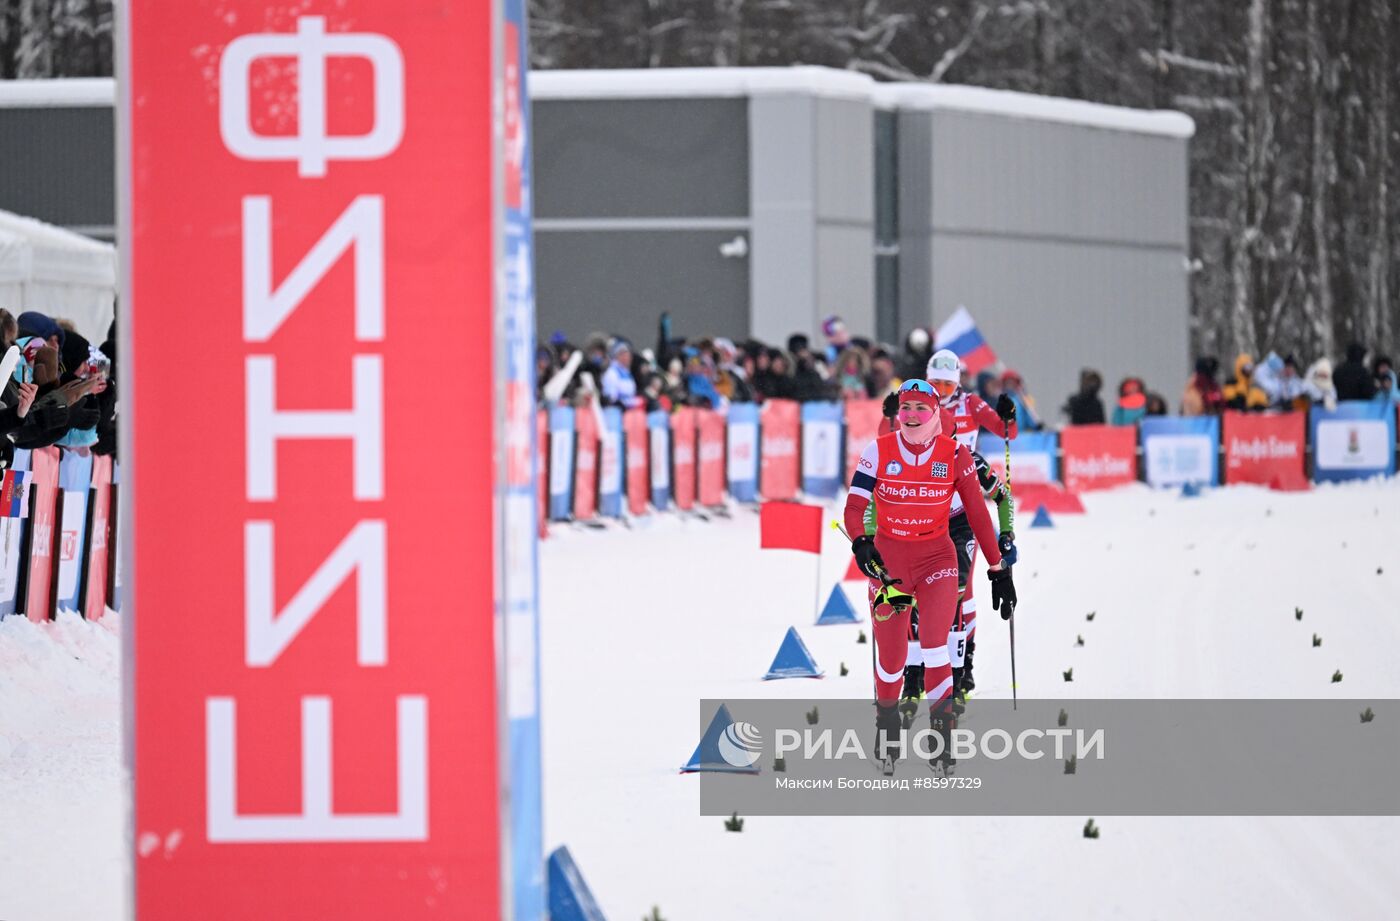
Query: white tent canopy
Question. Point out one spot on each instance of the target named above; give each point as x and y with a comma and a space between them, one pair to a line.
57, 272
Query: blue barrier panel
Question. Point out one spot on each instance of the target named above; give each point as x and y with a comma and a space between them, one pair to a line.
743, 452
525, 825
822, 448
610, 463
659, 431
561, 463
1181, 450
75, 479
1033, 455
1354, 441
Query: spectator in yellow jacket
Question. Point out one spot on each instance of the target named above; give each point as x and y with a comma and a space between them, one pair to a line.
1242, 392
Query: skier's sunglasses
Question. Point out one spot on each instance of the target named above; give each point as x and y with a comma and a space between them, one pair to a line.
917, 386
945, 363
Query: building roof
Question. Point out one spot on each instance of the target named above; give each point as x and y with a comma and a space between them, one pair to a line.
712, 82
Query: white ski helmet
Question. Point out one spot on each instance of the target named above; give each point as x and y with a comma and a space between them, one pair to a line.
944, 366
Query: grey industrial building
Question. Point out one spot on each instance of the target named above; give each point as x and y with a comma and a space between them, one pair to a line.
755, 202
758, 201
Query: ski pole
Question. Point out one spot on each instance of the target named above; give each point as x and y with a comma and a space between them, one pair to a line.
1011, 618
884, 574
1012, 622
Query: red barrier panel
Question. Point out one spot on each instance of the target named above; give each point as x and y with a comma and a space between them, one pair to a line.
780, 422
585, 465
1098, 456
99, 539
1050, 496
542, 470
43, 523
863, 419
638, 443
710, 464
1265, 449
683, 457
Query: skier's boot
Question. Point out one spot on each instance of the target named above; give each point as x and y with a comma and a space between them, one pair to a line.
942, 721
913, 693
889, 737
959, 700
913, 674
968, 684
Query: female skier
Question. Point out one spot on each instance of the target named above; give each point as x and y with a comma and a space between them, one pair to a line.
913, 474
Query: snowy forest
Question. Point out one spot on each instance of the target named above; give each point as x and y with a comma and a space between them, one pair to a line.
1294, 170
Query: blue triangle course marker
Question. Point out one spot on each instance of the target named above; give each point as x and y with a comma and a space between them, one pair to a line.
793, 660
708, 757
570, 899
1190, 490
1042, 518
838, 609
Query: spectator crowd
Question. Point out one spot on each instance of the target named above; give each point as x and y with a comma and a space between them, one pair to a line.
713, 372
60, 391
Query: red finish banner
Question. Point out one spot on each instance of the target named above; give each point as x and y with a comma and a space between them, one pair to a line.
637, 445
309, 203
99, 539
1098, 456
710, 463
863, 419
1266, 449
43, 521
780, 422
683, 457
586, 464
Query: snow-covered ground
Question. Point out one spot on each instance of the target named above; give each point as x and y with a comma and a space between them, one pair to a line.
1192, 597
62, 784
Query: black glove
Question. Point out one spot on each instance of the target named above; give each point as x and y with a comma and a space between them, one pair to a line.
890, 408
1007, 544
1003, 591
867, 557
1006, 408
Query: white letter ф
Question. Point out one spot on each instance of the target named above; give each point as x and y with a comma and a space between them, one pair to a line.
311, 46
316, 821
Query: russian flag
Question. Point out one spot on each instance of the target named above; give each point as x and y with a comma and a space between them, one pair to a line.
12, 495
960, 335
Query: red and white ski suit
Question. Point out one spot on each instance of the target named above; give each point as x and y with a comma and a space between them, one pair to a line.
970, 415
914, 487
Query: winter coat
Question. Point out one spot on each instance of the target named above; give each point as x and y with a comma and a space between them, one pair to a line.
1202, 397
1390, 395
1242, 393
619, 387
1352, 379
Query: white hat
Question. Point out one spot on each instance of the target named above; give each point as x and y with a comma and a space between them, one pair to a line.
944, 366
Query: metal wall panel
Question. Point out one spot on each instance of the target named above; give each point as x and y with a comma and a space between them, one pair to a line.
1050, 307
620, 281
1019, 176
621, 158
783, 283
844, 146
56, 164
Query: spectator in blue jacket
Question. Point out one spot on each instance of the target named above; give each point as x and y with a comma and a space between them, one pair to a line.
1387, 386
618, 386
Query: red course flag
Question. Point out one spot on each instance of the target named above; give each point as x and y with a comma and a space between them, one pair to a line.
790, 526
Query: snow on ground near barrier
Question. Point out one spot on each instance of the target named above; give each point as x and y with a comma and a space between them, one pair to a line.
639, 624
62, 789
1193, 598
